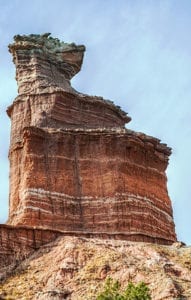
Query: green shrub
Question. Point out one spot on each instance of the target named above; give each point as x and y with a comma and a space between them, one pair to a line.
112, 291
137, 292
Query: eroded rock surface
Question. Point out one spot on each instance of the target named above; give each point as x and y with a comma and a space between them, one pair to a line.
76, 269
44, 63
73, 164
19, 242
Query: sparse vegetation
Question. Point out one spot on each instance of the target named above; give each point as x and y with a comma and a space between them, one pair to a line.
112, 291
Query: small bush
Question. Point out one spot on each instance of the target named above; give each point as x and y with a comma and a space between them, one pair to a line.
137, 292
112, 291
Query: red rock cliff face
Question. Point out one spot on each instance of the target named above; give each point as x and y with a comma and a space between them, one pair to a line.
18, 242
73, 165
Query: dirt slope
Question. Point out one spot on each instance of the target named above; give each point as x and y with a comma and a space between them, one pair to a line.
76, 268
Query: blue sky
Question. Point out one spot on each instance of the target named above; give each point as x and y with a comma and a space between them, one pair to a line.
138, 55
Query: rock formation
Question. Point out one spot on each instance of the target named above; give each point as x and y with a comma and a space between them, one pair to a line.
18, 242
76, 268
74, 167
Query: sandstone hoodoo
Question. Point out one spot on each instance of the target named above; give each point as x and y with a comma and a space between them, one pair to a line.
74, 167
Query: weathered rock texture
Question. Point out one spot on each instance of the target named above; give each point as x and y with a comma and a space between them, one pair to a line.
18, 242
73, 165
76, 268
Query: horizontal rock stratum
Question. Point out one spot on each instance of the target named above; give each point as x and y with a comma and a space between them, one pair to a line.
73, 164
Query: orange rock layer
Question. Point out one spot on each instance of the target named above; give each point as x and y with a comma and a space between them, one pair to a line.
98, 181
74, 167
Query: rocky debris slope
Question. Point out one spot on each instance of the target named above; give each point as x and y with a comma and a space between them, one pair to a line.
76, 268
73, 164
17, 243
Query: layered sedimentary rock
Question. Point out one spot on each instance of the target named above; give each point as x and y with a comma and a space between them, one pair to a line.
18, 242
73, 164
